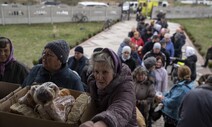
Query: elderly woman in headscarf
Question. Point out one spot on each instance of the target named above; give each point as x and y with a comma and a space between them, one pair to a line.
172, 100
127, 58
190, 61
112, 91
10, 69
145, 91
54, 68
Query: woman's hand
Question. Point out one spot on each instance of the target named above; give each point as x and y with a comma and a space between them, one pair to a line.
92, 124
159, 98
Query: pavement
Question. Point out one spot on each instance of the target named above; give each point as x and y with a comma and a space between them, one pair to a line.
112, 38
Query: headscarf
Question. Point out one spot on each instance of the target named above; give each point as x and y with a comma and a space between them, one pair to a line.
10, 58
116, 60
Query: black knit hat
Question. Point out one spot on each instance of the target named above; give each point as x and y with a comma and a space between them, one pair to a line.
79, 49
60, 48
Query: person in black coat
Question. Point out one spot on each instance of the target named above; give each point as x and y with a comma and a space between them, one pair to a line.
196, 109
127, 58
10, 69
78, 61
190, 61
208, 56
149, 45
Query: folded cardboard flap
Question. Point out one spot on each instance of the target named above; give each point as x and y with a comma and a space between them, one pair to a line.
19, 120
6, 88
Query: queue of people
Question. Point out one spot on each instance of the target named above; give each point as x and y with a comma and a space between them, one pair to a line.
120, 82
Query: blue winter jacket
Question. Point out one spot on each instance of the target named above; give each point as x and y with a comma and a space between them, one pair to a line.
170, 48
65, 78
174, 98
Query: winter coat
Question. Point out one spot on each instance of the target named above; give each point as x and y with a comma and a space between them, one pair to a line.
161, 77
116, 103
178, 40
191, 63
65, 77
163, 50
131, 63
170, 48
174, 98
209, 53
77, 65
151, 54
196, 108
147, 47
138, 42
145, 93
15, 72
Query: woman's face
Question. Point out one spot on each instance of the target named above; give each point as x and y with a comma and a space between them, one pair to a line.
4, 53
136, 35
50, 61
103, 74
159, 63
126, 54
141, 77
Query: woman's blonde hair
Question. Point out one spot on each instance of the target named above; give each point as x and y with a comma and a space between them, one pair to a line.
184, 73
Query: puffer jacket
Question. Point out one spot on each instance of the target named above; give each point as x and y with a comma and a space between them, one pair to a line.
116, 103
174, 98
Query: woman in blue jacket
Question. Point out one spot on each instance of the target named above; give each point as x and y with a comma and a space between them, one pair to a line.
172, 100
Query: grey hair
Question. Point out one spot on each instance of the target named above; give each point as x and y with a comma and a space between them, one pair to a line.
102, 57
139, 70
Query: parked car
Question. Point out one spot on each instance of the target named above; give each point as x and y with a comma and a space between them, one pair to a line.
92, 4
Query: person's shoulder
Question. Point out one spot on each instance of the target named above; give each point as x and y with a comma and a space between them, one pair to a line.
19, 64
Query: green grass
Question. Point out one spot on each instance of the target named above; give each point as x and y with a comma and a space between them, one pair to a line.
29, 40
199, 31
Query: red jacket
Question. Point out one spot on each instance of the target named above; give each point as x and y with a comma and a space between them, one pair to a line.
138, 42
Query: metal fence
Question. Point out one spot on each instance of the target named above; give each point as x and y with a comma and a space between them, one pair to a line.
20, 14
183, 12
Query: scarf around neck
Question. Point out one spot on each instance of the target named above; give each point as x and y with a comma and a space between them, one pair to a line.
10, 58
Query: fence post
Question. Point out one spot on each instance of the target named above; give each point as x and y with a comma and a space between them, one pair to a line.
51, 15
2, 15
106, 13
29, 16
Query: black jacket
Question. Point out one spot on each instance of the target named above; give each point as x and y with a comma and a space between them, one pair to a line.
77, 65
196, 109
131, 63
191, 63
147, 47
15, 72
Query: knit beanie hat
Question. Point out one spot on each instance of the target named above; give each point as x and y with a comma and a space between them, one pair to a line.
126, 49
149, 62
60, 48
157, 46
79, 49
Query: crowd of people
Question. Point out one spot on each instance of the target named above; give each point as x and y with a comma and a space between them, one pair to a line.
135, 76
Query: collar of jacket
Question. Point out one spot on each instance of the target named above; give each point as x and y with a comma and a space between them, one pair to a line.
43, 71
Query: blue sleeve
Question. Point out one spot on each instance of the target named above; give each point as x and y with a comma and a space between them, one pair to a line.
174, 97
31, 76
75, 82
172, 50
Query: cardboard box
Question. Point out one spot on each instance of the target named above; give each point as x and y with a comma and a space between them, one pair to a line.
6, 88
8, 119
